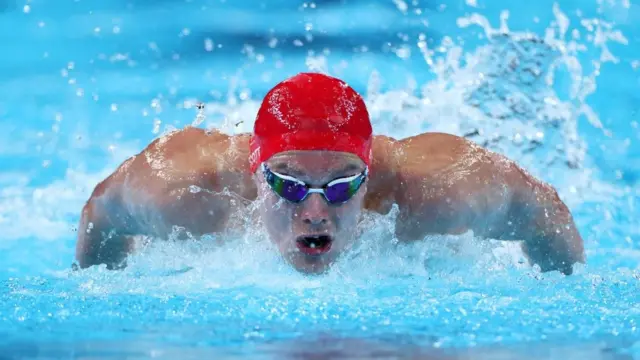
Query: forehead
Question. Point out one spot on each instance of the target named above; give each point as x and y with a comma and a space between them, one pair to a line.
316, 163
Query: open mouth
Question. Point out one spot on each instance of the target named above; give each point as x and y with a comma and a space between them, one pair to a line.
314, 244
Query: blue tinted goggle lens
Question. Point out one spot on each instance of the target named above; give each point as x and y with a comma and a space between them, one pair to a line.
335, 192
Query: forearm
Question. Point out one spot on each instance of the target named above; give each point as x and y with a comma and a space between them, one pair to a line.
103, 238
544, 222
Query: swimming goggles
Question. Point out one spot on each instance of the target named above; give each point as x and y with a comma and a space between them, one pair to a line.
337, 191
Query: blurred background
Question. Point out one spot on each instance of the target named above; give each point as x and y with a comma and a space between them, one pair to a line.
79, 76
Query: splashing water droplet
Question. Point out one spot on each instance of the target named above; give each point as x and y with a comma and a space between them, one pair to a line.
208, 44
156, 125
401, 5
200, 116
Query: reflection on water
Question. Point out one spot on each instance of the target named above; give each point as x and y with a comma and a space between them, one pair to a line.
318, 347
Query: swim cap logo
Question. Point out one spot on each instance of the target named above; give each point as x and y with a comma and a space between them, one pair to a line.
254, 157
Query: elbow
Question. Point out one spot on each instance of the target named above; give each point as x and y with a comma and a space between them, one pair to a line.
88, 243
101, 240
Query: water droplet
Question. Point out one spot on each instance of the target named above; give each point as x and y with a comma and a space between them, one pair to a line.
156, 125
401, 5
208, 44
517, 139
403, 52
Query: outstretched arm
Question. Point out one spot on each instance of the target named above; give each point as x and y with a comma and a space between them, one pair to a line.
448, 185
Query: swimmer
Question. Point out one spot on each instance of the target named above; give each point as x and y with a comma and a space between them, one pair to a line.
312, 167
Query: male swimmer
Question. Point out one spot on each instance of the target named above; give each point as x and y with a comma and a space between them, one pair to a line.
313, 165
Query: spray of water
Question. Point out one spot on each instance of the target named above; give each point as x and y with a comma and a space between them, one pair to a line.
501, 96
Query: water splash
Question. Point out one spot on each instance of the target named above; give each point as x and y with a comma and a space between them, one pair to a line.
506, 95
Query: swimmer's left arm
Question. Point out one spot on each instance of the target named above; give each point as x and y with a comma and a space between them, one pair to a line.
539, 217
447, 185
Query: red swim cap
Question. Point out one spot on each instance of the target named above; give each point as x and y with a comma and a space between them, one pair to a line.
311, 111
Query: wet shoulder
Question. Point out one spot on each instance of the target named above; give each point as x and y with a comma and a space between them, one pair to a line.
185, 155
433, 154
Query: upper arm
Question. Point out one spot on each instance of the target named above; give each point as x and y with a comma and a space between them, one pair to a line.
448, 184
190, 171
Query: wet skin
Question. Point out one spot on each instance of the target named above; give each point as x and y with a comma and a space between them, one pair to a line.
442, 184
288, 223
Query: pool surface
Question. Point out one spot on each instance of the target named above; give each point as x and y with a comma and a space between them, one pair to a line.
84, 84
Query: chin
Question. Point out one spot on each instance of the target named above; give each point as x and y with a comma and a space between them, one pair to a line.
316, 265
312, 269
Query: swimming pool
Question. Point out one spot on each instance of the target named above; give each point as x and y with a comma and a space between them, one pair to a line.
85, 84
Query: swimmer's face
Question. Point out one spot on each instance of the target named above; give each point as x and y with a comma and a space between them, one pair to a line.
311, 234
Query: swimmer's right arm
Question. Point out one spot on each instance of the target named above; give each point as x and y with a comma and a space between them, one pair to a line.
150, 193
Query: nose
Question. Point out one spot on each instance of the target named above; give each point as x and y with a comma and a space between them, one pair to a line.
315, 210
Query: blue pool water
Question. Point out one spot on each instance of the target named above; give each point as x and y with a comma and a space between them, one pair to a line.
86, 83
